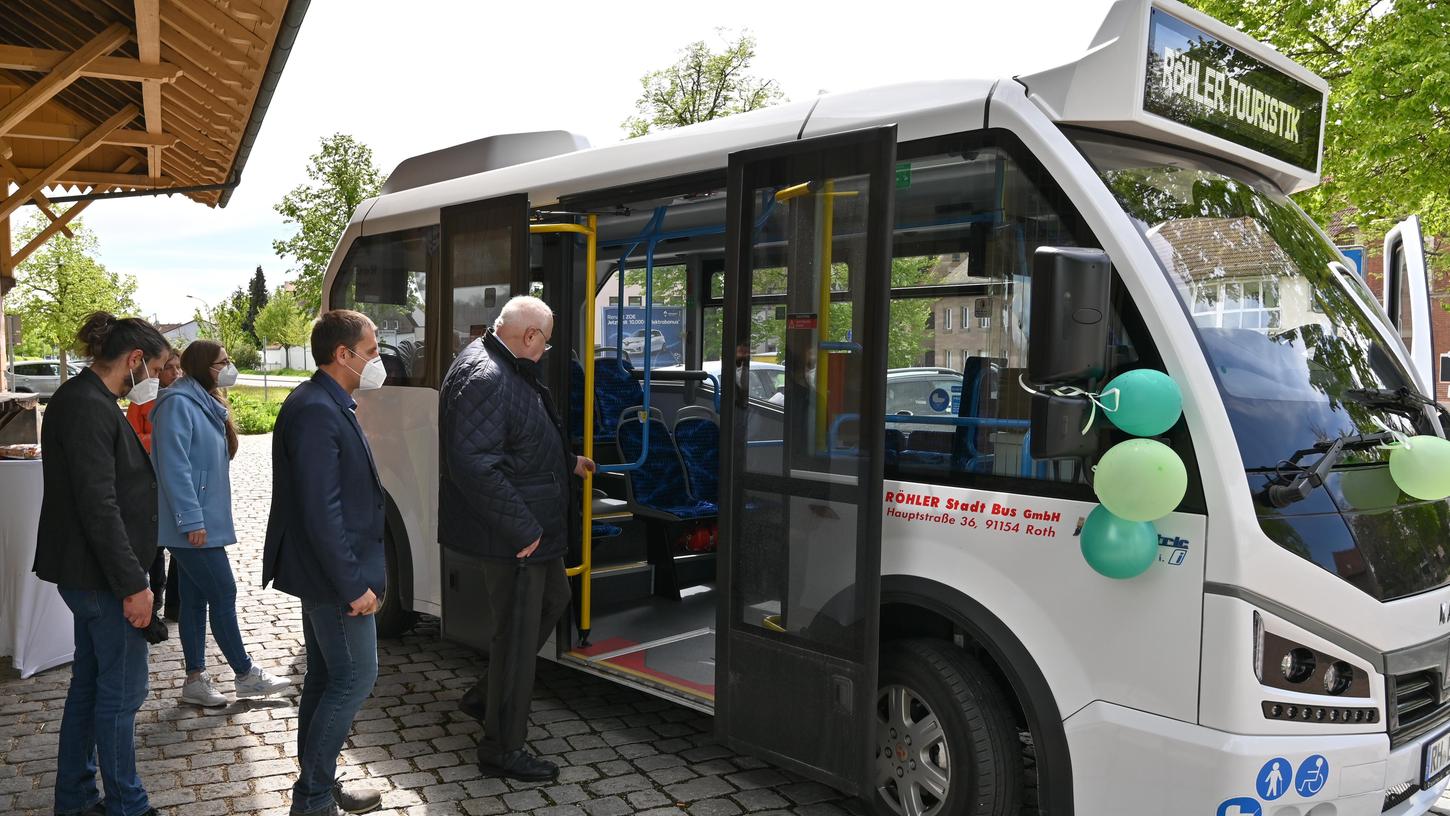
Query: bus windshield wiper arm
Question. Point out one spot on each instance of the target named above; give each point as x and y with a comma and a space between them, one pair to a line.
1283, 494
1401, 400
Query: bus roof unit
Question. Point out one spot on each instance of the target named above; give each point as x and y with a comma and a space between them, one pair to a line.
1161, 70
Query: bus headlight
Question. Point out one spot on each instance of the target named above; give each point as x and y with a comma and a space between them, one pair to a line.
1338, 677
1297, 664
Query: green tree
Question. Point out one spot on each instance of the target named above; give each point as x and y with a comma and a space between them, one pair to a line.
340, 176
256, 300
283, 321
702, 85
226, 324
1387, 139
61, 284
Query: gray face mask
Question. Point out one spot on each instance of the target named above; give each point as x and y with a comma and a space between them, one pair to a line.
227, 377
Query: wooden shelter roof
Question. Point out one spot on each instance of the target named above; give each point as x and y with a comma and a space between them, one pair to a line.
108, 96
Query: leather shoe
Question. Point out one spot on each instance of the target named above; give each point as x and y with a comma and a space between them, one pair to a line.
520, 765
357, 800
475, 700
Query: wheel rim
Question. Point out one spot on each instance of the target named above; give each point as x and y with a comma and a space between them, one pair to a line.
913, 765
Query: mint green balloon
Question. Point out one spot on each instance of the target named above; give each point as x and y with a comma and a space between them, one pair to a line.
1118, 548
1149, 402
1422, 467
1368, 488
1140, 480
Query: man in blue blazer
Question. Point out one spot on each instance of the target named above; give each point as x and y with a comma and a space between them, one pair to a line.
325, 546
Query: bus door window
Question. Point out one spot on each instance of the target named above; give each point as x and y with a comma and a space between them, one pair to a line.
486, 248
387, 277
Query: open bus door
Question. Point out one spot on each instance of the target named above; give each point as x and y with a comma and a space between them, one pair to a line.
1407, 298
808, 235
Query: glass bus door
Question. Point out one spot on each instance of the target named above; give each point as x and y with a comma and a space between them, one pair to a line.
1407, 297
808, 235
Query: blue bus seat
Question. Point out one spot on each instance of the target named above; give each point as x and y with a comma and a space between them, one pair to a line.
659, 486
615, 391
697, 436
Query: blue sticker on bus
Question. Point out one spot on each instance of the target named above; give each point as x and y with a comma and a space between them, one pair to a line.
1274, 778
1313, 773
939, 399
1240, 806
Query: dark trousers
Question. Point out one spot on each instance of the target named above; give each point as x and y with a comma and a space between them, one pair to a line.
158, 578
342, 666
526, 600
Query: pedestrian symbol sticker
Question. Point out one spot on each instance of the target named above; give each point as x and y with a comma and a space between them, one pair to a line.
1313, 773
1273, 780
939, 399
1240, 806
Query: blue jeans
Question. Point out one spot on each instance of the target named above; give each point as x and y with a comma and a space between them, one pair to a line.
207, 583
342, 665
107, 685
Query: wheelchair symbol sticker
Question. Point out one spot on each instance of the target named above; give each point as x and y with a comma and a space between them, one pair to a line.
1313, 773
1241, 806
1273, 780
938, 399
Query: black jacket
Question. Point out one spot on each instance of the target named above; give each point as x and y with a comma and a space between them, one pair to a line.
504, 463
325, 529
98, 517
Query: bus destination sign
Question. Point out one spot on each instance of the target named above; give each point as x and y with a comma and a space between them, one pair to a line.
1198, 81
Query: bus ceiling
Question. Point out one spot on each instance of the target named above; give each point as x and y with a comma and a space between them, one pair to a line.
1163, 71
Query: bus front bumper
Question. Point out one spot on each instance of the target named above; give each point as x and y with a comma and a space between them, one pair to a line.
1127, 762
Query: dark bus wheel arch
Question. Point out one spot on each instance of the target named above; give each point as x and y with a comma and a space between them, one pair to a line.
397, 615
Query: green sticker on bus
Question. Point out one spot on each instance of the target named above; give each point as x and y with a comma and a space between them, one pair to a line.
903, 175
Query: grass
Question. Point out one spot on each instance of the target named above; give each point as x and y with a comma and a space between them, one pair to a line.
281, 372
252, 413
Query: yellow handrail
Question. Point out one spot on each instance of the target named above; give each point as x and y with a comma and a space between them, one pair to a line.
586, 566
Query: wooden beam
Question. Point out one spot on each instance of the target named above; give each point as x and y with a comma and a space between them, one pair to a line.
40, 200
214, 87
69, 215
57, 132
61, 75
234, 31
248, 10
67, 160
218, 47
148, 46
20, 58
93, 178
205, 60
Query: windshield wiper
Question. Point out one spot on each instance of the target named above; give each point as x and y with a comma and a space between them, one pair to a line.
1403, 400
1284, 493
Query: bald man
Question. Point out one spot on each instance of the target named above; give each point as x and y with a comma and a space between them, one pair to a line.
503, 496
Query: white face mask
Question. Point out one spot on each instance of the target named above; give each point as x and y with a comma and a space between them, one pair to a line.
372, 375
227, 377
144, 391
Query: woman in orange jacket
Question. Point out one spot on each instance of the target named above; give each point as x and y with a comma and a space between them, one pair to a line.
139, 415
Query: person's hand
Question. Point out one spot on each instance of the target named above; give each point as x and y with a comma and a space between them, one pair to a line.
366, 605
583, 465
137, 608
529, 550
197, 538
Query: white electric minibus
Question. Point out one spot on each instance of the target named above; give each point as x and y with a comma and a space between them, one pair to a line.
830, 510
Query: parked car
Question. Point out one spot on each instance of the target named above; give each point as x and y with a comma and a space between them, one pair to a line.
40, 377
634, 344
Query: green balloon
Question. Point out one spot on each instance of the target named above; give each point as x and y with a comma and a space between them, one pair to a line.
1368, 488
1118, 548
1422, 467
1140, 480
1149, 402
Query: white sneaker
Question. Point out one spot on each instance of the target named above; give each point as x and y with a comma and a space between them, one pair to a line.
201, 692
257, 683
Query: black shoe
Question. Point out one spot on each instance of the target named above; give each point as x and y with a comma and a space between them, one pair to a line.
474, 701
520, 765
357, 800
98, 809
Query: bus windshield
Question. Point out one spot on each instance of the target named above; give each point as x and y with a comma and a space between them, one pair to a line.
1291, 342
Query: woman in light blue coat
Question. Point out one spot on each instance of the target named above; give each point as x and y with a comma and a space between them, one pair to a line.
193, 441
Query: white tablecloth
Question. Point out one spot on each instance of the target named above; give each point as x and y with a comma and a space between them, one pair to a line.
35, 624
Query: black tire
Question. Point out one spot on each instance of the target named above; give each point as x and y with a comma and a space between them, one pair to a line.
974, 747
393, 620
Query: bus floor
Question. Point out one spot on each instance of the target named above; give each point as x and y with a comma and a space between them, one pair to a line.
661, 646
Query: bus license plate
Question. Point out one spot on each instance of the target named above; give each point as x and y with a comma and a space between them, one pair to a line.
1437, 758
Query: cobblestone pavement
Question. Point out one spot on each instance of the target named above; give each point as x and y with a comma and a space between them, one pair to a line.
619, 751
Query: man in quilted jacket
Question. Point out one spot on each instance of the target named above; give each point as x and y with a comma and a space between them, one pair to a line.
504, 487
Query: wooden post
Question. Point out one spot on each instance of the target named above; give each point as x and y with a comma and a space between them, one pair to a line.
6, 273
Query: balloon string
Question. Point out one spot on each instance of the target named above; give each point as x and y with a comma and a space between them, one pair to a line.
1096, 400
1401, 440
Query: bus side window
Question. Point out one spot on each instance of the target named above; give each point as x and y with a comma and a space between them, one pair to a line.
975, 210
386, 277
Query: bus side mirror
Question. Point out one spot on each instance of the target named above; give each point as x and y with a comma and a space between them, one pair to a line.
1069, 315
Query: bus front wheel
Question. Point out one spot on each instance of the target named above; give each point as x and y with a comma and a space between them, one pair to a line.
945, 741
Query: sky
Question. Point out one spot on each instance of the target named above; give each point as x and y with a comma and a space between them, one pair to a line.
408, 78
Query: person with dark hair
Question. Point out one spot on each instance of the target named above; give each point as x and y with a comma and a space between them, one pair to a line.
194, 443
139, 415
504, 486
325, 546
96, 537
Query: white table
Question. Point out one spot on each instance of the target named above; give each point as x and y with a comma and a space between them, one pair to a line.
35, 624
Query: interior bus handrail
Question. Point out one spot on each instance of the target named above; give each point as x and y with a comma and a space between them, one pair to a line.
584, 572
677, 375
